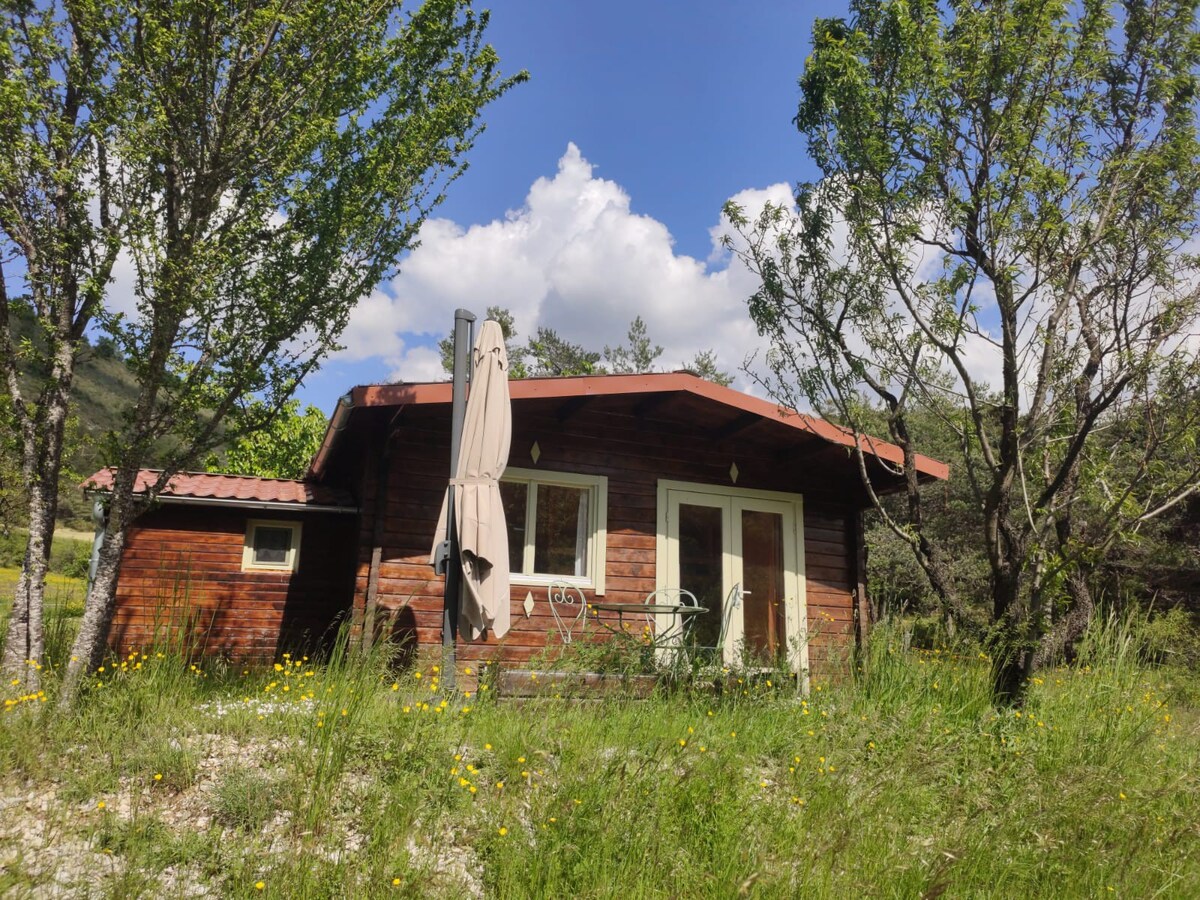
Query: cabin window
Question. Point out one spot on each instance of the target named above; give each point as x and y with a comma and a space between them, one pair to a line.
557, 527
271, 546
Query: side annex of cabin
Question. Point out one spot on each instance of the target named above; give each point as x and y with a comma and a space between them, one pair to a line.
618, 484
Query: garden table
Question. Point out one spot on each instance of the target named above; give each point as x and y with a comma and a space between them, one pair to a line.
665, 640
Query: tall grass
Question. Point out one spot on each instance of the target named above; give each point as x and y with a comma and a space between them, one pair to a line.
346, 778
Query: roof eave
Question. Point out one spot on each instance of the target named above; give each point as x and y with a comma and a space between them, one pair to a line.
275, 505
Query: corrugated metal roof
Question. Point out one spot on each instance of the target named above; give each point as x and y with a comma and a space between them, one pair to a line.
200, 486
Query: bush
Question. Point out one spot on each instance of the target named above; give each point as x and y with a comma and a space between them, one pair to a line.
74, 561
1170, 639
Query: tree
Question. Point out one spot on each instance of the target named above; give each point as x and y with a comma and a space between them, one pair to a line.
262, 165
639, 356
999, 237
282, 450
516, 353
550, 355
704, 365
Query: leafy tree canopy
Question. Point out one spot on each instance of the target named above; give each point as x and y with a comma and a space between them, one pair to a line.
282, 450
261, 165
1001, 235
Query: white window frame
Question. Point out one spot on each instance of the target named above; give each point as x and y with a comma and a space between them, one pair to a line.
597, 486
293, 558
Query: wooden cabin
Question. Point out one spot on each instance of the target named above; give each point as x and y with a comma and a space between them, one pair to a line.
618, 484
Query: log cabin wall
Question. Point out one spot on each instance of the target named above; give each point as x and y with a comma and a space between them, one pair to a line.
182, 581
621, 438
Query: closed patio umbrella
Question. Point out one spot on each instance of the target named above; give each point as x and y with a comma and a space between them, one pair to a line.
478, 510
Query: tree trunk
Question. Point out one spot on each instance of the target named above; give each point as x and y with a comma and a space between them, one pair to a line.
1060, 641
42, 445
90, 644
24, 646
1010, 646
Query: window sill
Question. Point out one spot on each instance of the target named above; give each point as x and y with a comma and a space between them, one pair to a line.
582, 582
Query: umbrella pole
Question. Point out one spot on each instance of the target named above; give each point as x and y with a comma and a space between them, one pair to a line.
463, 320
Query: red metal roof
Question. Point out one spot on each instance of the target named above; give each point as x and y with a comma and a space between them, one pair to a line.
232, 489
610, 385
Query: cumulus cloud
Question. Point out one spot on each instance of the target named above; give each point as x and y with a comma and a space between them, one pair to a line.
576, 258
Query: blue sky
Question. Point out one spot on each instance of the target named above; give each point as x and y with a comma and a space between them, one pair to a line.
593, 194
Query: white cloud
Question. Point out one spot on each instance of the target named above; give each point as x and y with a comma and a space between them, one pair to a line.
575, 258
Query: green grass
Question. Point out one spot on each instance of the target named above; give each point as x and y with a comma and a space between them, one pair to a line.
349, 780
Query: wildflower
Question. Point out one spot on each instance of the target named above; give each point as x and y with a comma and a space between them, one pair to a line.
395, 882
487, 746
682, 742
259, 885
158, 776
703, 749
503, 831
396, 686
520, 759
102, 804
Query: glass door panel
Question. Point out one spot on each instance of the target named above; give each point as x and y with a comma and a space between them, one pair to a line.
763, 609
702, 567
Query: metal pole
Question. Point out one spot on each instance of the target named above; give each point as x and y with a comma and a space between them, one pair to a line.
463, 321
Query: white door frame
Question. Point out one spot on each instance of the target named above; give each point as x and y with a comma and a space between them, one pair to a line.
733, 500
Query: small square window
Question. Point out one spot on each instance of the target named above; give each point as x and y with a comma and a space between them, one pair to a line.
272, 546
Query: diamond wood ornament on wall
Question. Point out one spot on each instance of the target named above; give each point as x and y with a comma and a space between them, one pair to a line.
528, 605
535, 452
733, 473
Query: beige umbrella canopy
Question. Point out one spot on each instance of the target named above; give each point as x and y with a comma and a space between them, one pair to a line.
478, 510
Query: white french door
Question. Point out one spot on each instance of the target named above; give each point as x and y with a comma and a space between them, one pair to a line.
712, 538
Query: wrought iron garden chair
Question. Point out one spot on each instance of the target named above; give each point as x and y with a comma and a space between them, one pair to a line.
671, 597
569, 608
714, 655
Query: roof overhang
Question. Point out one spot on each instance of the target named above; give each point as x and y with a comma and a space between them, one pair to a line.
585, 386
